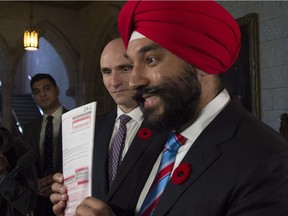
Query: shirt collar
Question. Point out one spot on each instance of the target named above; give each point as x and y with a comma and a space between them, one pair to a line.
136, 114
57, 114
208, 113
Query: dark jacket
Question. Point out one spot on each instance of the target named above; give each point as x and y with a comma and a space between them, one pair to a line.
32, 136
239, 168
18, 189
133, 171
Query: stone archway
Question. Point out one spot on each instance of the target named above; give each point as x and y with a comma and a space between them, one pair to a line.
54, 40
103, 33
67, 53
6, 78
10, 58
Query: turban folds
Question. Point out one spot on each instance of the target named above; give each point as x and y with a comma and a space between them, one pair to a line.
202, 33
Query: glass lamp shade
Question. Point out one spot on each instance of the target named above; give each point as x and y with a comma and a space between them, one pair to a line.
31, 40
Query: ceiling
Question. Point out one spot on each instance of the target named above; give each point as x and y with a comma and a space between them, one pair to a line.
73, 5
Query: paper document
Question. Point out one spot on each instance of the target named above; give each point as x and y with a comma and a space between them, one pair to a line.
78, 139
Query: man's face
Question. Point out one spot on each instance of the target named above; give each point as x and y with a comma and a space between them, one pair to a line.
167, 87
116, 71
45, 94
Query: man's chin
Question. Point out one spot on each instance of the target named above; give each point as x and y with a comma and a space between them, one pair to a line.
43, 106
154, 121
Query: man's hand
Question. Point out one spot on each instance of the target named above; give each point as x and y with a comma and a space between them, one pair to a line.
44, 186
59, 196
89, 206
93, 207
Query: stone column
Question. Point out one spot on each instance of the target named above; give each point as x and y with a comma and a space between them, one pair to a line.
7, 91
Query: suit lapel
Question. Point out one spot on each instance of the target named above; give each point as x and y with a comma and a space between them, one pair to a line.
34, 139
203, 153
59, 159
103, 130
37, 131
135, 152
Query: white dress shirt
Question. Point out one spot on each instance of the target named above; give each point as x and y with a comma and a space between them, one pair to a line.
208, 113
132, 126
56, 126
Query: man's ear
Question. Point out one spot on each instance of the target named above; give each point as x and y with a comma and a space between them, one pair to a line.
209, 82
58, 91
201, 74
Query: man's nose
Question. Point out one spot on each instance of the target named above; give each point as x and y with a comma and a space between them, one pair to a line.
138, 78
42, 92
115, 81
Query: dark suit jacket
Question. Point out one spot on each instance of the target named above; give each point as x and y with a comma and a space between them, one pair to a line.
134, 170
31, 134
18, 188
239, 167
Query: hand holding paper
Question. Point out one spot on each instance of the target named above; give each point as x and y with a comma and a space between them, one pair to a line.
78, 127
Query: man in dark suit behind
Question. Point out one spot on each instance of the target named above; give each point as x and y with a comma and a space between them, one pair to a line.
142, 146
116, 70
17, 176
231, 164
45, 93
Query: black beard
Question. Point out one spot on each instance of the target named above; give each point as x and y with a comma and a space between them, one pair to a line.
179, 99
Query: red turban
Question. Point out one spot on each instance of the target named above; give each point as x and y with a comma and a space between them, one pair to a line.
202, 33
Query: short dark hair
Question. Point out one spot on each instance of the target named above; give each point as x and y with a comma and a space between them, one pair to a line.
41, 76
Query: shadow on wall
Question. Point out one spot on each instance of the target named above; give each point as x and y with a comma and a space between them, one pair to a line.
284, 125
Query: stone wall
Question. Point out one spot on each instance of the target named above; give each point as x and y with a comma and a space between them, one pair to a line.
78, 37
273, 50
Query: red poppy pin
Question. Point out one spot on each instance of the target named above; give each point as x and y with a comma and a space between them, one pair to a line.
144, 133
181, 173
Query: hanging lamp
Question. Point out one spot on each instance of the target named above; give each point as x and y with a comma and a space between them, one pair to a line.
31, 36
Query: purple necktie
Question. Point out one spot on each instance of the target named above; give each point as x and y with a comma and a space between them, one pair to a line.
163, 175
48, 147
117, 148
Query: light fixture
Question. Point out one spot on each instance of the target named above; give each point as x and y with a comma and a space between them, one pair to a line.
30, 39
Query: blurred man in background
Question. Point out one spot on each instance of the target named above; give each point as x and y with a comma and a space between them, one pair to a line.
44, 135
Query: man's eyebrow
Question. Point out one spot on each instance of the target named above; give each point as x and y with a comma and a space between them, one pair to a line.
123, 65
147, 48
104, 68
118, 67
46, 85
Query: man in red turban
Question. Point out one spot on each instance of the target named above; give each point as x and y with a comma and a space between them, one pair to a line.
200, 32
222, 161
231, 163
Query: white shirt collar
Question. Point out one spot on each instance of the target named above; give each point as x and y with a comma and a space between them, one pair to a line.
57, 114
136, 114
208, 113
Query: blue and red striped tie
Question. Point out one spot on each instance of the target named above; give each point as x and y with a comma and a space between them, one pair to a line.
163, 175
